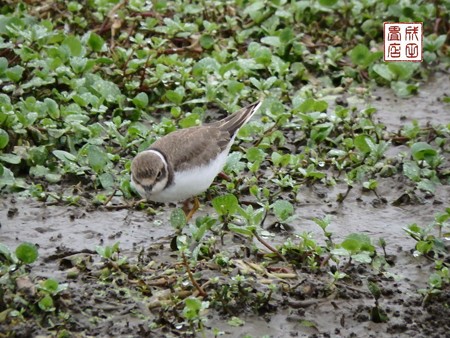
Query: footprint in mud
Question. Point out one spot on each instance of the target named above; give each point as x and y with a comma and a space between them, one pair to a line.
89, 234
43, 230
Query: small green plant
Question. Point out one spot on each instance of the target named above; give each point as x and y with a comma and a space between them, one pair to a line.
49, 289
323, 223
377, 315
437, 281
108, 251
26, 253
337, 276
357, 247
226, 206
284, 211
20, 297
305, 252
430, 243
193, 313
113, 261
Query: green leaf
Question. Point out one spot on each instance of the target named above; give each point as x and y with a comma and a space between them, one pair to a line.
141, 100
64, 156
50, 285
175, 96
3, 65
328, 3
435, 280
424, 246
283, 210
351, 245
178, 218
234, 87
4, 138
370, 185
207, 41
356, 243
402, 70
271, 41
205, 65
411, 170
321, 131
106, 89
374, 289
74, 45
442, 217
362, 143
52, 108
97, 158
6, 253
255, 9
190, 120
261, 54
38, 155
383, 71
436, 44
192, 308
403, 89
247, 231
107, 251
308, 323
423, 151
276, 158
96, 42
310, 105
362, 257
235, 321
46, 304
287, 35
234, 163
10, 158
7, 178
78, 64
359, 55
106, 180
255, 154
427, 185
225, 204
27, 252
15, 73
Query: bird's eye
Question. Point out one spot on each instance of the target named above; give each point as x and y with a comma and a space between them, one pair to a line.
159, 175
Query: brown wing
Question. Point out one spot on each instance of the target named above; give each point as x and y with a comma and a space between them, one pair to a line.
201, 144
198, 144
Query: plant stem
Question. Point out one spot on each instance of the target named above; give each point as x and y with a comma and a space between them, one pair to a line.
191, 277
268, 246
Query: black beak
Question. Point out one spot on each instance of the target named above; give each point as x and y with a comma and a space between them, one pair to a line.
148, 189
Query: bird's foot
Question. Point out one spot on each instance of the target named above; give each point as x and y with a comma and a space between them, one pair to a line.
188, 211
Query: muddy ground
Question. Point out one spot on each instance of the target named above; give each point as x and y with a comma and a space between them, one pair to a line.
311, 308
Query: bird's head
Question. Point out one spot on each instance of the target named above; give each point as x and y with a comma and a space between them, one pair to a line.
149, 173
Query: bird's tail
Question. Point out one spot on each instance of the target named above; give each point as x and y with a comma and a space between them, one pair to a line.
233, 122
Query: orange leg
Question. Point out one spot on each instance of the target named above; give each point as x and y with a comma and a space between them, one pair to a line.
190, 212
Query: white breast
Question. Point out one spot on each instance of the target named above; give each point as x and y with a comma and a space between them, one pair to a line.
192, 182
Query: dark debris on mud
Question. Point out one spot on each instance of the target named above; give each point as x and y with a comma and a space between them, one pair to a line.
143, 295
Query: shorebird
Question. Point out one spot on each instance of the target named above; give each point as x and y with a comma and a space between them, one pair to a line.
184, 163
